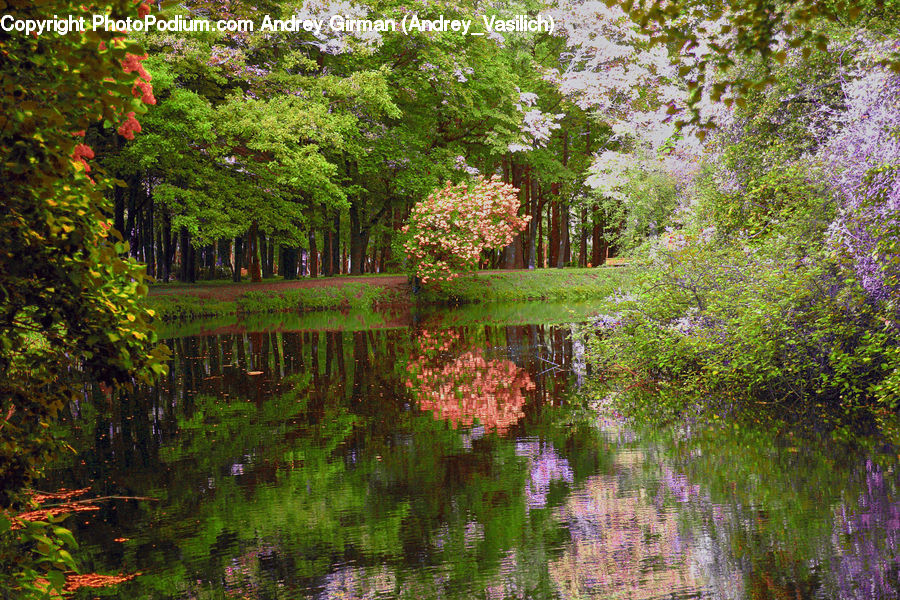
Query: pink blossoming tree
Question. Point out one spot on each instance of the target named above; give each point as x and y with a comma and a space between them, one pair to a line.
448, 230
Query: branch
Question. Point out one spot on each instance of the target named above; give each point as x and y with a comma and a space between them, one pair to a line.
98, 499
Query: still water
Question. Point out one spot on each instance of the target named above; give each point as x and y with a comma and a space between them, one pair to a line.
428, 461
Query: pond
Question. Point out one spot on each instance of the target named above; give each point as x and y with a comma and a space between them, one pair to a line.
434, 461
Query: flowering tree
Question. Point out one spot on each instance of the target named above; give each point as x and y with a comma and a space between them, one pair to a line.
447, 231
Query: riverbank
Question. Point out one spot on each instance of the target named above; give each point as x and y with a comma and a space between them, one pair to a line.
552, 285
175, 303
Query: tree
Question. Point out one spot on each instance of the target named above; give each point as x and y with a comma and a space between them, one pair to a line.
448, 230
68, 302
714, 37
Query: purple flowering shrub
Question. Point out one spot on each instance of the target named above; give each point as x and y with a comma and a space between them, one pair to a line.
863, 160
796, 297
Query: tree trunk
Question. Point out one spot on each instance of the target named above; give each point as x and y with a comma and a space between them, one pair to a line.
539, 215
563, 254
532, 206
359, 242
327, 255
313, 255
160, 250
582, 240
167, 250
223, 254
509, 255
267, 254
553, 240
521, 240
598, 243
187, 272
238, 257
582, 249
289, 262
253, 243
263, 252
149, 255
131, 223
192, 262
336, 245
183, 245
382, 260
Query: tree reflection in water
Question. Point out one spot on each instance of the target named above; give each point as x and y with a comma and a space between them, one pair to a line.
546, 468
322, 477
461, 385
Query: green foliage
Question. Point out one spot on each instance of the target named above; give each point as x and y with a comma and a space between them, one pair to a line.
645, 205
766, 307
771, 323
68, 302
787, 201
36, 551
737, 32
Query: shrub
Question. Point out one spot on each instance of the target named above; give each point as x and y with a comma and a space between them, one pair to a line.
767, 323
447, 231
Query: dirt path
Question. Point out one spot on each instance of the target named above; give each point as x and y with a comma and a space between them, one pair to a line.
230, 291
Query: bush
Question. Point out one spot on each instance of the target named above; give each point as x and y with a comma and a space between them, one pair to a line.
779, 198
448, 230
771, 323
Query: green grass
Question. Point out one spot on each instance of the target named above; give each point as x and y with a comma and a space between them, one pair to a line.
552, 285
513, 313
186, 307
202, 283
547, 285
353, 295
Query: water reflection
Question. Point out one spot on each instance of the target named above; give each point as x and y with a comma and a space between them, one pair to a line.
621, 543
455, 463
866, 541
456, 382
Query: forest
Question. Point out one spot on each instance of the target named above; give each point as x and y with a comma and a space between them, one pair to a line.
302, 154
741, 160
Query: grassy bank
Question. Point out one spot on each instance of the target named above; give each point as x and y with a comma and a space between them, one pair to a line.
551, 285
353, 295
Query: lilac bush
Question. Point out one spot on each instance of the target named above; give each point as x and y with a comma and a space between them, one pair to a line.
863, 160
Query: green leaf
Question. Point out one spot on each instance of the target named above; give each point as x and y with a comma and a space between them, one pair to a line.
66, 536
57, 579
